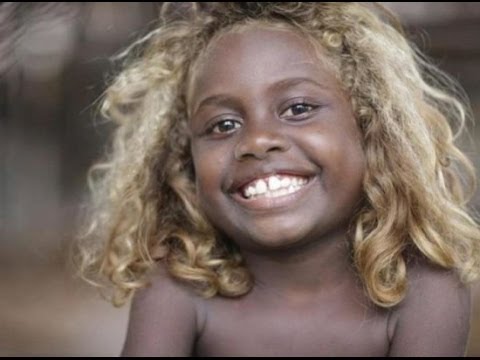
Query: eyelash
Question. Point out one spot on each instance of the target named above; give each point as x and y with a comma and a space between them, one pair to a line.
211, 129
312, 107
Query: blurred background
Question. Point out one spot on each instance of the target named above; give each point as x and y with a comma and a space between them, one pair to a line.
54, 61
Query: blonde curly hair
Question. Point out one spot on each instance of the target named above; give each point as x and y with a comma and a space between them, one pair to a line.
143, 205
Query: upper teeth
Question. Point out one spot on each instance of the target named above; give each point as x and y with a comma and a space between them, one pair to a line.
274, 186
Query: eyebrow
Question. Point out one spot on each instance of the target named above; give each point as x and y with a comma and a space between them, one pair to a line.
296, 81
226, 100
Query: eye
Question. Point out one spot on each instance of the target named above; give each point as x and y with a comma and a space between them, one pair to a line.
224, 126
298, 109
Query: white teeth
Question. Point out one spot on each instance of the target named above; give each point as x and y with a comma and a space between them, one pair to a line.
286, 181
261, 187
274, 183
274, 186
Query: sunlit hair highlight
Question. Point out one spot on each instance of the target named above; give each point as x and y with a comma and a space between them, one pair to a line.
144, 210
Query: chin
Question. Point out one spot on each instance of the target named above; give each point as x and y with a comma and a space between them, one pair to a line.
276, 240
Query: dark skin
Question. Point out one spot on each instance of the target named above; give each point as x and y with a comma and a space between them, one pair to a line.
262, 104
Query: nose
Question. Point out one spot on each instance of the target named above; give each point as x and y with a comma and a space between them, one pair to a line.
258, 140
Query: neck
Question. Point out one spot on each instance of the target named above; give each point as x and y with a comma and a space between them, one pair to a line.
310, 269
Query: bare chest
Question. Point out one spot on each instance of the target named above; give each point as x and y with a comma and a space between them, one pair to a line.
332, 327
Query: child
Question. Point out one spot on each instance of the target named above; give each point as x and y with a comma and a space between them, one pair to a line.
284, 179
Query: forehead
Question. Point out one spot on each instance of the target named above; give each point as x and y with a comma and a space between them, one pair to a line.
256, 56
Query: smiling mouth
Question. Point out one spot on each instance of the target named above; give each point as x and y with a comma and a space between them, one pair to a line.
274, 193
273, 186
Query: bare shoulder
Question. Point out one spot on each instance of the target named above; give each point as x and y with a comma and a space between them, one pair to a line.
164, 287
434, 317
164, 318
427, 282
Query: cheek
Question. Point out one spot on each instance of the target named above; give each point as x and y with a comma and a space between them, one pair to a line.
348, 160
208, 184
203, 173
350, 168
339, 153
208, 167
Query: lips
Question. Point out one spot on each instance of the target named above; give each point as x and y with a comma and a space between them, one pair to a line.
281, 199
273, 186
240, 182
267, 189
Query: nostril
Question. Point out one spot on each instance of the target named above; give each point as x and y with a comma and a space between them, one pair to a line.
276, 148
259, 147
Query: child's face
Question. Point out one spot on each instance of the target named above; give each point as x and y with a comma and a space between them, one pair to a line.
276, 150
